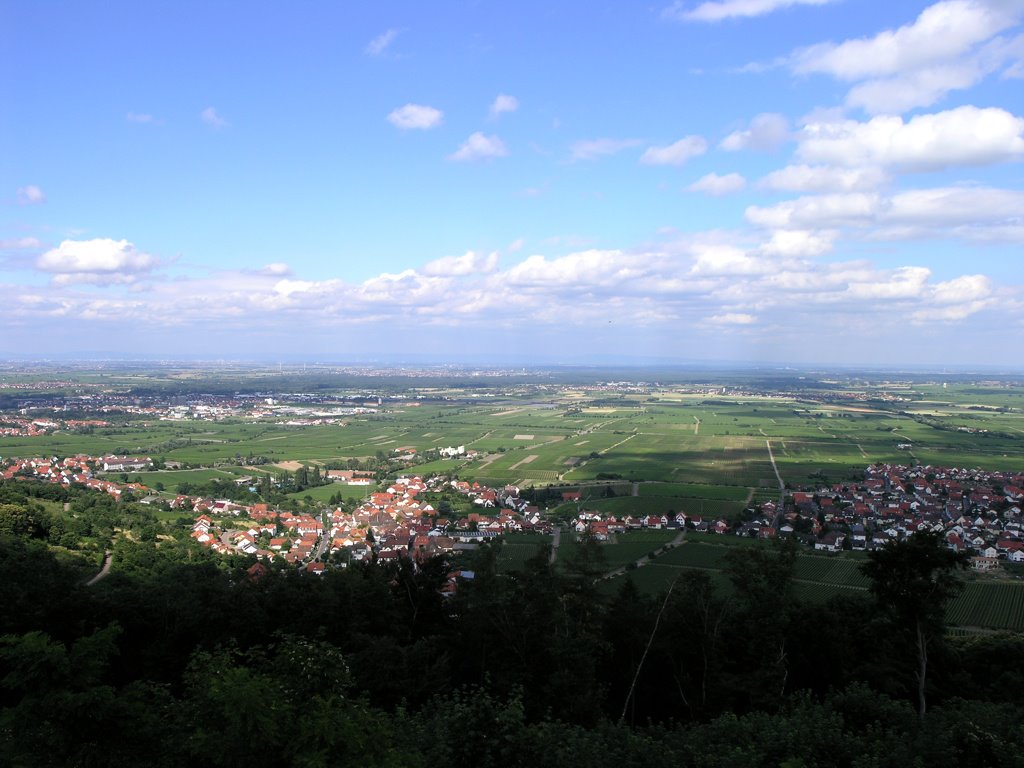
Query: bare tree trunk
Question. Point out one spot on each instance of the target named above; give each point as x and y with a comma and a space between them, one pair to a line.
922, 668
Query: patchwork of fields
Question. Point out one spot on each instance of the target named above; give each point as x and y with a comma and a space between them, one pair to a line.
665, 452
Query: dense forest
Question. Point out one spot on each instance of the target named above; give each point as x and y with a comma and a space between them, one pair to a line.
182, 658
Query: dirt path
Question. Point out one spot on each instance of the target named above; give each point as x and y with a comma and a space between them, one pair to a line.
484, 435
636, 489
104, 571
775, 468
554, 545
619, 443
696, 426
526, 460
680, 537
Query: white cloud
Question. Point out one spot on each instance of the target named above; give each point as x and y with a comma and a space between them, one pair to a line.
941, 32
767, 132
731, 9
30, 195
212, 119
950, 46
415, 116
468, 263
824, 178
798, 243
733, 318
713, 184
817, 212
941, 212
504, 103
379, 45
721, 259
99, 261
479, 147
140, 117
590, 269
276, 269
516, 245
963, 136
950, 206
676, 153
588, 149
710, 280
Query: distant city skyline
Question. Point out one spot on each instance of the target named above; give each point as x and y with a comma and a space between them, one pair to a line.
783, 181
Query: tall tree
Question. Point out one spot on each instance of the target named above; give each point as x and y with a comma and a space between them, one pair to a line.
913, 580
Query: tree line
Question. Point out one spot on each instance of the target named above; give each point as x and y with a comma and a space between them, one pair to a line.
183, 657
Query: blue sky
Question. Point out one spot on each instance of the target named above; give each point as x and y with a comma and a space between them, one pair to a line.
817, 181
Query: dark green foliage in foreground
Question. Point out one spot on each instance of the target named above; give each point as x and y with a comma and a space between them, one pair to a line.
181, 659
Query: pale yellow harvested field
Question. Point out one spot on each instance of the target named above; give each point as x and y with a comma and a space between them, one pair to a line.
525, 460
523, 437
291, 466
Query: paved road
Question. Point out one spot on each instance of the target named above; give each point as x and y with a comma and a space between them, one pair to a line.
104, 571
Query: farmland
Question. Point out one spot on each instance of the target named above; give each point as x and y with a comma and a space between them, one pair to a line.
702, 445
701, 450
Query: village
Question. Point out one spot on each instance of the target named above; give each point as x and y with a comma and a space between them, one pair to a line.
978, 512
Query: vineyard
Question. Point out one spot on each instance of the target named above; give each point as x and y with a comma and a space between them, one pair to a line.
829, 570
817, 578
989, 604
517, 549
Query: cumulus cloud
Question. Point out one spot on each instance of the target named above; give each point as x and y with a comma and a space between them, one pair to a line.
99, 255
731, 9
589, 149
721, 259
212, 119
713, 184
824, 178
276, 269
798, 243
941, 32
479, 147
30, 195
714, 280
951, 45
468, 263
946, 212
958, 137
817, 212
676, 153
380, 44
767, 132
99, 261
733, 318
503, 103
415, 116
